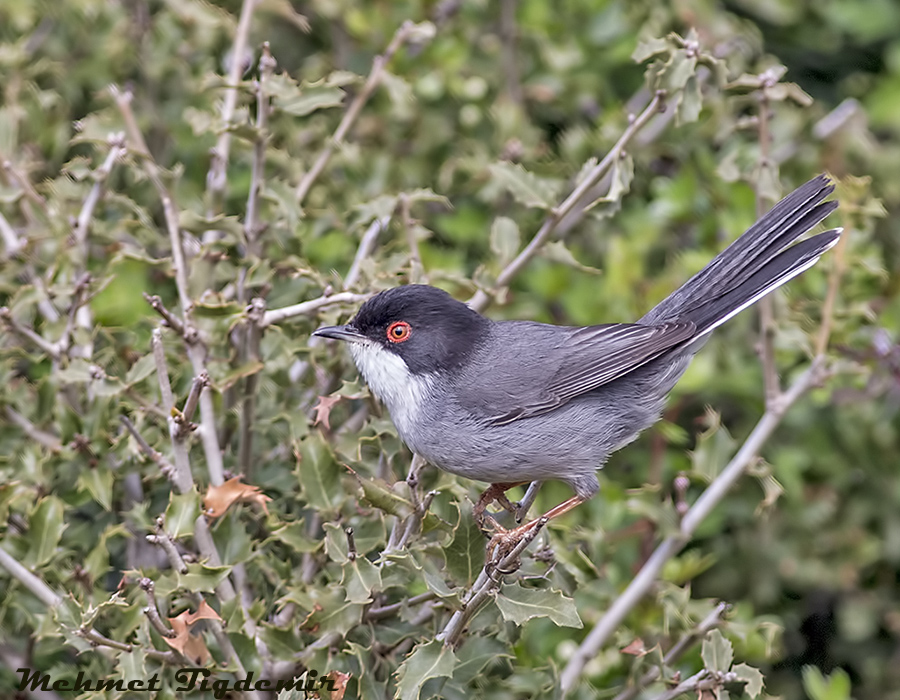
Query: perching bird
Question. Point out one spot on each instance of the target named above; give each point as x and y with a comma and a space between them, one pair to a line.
512, 402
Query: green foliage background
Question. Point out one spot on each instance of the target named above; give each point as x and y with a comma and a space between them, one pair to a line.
807, 550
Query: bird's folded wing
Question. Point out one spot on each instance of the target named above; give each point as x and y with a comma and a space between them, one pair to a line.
585, 359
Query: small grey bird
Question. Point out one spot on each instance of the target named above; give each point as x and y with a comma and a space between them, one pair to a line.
512, 402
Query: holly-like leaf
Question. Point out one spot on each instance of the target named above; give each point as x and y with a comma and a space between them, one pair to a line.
182, 511
717, 652
219, 499
360, 577
504, 239
527, 188
431, 660
319, 477
752, 677
518, 604
191, 645
465, 553
323, 410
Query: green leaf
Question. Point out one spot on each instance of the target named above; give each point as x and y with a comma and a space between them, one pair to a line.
200, 577
558, 252
527, 188
714, 448
431, 660
294, 535
835, 686
336, 545
690, 102
141, 369
359, 579
752, 677
620, 185
518, 604
98, 481
465, 553
182, 511
504, 239
319, 476
45, 528
716, 652
650, 48
300, 100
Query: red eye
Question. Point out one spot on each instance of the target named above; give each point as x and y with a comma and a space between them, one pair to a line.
398, 331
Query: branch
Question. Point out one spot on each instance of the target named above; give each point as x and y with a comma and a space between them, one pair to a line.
416, 269
172, 321
366, 244
164, 464
82, 224
151, 611
216, 177
181, 475
714, 619
669, 547
251, 351
48, 440
51, 349
38, 588
257, 173
164, 540
403, 33
481, 299
11, 239
309, 308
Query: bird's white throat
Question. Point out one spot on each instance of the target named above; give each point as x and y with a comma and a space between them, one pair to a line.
392, 383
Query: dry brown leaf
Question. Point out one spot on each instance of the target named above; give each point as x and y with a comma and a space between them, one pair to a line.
340, 684
191, 645
219, 499
636, 648
323, 410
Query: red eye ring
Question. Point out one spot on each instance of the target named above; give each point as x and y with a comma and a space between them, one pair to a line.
398, 331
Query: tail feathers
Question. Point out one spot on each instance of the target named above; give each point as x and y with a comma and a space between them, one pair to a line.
717, 309
754, 250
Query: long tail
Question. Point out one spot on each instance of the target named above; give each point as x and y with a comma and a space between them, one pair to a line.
758, 262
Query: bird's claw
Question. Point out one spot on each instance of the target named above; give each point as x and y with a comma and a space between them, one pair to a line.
504, 541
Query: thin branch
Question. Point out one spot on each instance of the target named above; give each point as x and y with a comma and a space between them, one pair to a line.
164, 540
172, 321
83, 222
257, 172
309, 308
366, 245
669, 547
481, 299
416, 269
152, 612
183, 417
38, 588
766, 304
51, 442
181, 476
488, 581
713, 619
403, 33
834, 279
11, 239
216, 177
164, 464
251, 351
51, 349
384, 611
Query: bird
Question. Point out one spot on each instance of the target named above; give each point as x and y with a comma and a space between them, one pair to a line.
512, 402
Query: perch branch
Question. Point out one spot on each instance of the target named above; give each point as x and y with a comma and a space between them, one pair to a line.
309, 308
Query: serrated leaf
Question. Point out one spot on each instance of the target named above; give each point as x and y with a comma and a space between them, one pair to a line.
465, 553
182, 511
200, 577
504, 239
835, 686
197, 223
690, 102
319, 477
619, 186
45, 528
431, 660
299, 100
336, 546
650, 48
98, 482
558, 252
717, 652
752, 677
525, 187
294, 535
359, 578
518, 604
714, 448
140, 370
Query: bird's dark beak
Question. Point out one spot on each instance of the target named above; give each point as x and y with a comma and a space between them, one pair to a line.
347, 333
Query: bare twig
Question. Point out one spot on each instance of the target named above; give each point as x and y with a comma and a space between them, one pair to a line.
35, 585
10, 238
181, 476
151, 611
183, 417
257, 173
403, 33
366, 244
83, 222
216, 180
164, 540
670, 546
481, 299
172, 321
51, 442
388, 610
766, 304
416, 269
834, 279
164, 464
51, 349
309, 308
251, 352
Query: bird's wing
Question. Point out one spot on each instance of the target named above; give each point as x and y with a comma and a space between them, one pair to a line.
583, 359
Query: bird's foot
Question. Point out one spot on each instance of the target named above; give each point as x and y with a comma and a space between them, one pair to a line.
504, 542
495, 492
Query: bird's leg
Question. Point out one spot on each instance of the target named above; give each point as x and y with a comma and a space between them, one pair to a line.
523, 506
494, 492
505, 540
